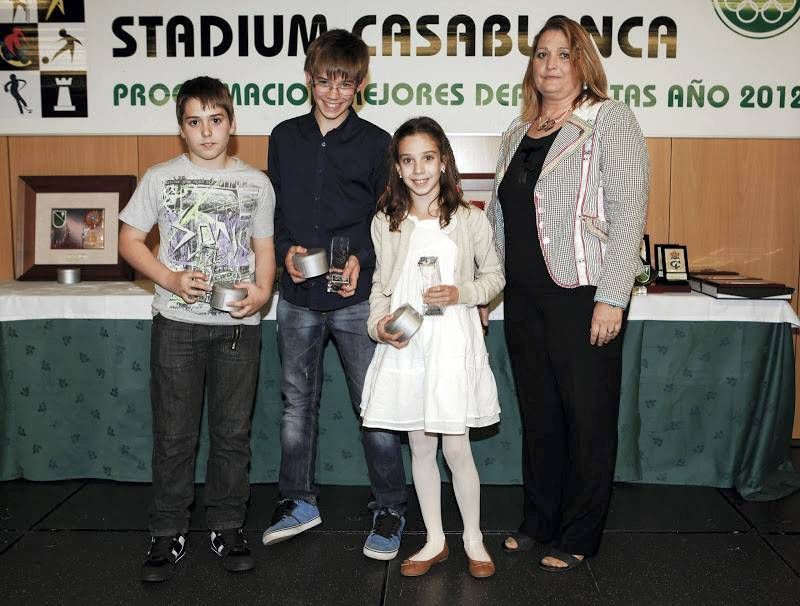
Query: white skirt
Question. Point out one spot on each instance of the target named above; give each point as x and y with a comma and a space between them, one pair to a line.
441, 382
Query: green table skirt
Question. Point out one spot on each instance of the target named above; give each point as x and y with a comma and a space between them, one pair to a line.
708, 403
702, 403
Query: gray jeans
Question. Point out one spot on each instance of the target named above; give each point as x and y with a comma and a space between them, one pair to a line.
187, 361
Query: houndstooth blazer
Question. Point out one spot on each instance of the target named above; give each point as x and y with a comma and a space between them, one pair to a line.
591, 199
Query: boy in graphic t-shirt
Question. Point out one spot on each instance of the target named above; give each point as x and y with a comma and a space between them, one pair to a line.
215, 220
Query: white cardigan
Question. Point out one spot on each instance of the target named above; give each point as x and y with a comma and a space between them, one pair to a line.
479, 274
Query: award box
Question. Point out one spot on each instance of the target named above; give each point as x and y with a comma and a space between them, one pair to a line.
745, 288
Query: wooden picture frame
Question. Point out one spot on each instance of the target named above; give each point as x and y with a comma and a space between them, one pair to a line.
49, 232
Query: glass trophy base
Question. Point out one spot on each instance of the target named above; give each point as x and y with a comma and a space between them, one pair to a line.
432, 310
336, 282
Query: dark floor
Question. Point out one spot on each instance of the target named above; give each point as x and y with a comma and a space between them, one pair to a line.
81, 542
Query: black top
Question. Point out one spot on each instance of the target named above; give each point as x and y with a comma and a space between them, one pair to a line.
525, 266
326, 186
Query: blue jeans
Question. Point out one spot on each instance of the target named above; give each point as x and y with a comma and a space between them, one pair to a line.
302, 335
185, 359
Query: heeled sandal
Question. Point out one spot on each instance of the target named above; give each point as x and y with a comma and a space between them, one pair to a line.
523, 541
569, 559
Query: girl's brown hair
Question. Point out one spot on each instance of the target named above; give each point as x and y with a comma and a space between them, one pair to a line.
396, 200
585, 61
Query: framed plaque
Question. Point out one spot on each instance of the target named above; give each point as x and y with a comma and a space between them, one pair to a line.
659, 268
71, 221
644, 250
477, 188
646, 276
674, 261
657, 250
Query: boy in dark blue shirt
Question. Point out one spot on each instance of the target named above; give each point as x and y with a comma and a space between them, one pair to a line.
328, 169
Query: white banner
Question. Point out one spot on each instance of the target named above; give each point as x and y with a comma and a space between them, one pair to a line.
688, 68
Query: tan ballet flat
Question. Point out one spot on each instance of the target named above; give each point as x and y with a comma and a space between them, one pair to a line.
416, 568
481, 570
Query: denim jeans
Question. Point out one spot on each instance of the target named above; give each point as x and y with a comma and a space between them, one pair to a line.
185, 359
302, 335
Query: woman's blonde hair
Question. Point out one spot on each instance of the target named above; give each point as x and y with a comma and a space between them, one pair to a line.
585, 61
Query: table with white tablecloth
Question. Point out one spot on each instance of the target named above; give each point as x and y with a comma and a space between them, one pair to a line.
707, 395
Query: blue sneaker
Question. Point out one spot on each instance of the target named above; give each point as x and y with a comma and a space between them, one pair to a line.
383, 542
291, 517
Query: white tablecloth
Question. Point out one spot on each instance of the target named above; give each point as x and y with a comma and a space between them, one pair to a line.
696, 307
85, 300
131, 301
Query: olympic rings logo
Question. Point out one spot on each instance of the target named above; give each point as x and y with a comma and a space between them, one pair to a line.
758, 18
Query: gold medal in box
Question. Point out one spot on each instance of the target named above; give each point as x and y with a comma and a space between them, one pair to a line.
93, 233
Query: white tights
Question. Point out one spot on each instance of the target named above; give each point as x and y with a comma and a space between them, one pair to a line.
466, 485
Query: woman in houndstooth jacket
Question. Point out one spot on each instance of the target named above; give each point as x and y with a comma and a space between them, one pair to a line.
568, 211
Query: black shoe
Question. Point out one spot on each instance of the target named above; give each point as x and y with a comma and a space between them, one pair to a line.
231, 546
162, 556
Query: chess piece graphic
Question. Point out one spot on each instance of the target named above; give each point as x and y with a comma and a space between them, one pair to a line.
63, 95
64, 100
12, 87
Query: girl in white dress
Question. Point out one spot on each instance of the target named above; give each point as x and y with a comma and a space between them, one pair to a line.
439, 381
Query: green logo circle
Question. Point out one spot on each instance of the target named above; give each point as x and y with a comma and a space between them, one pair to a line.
758, 18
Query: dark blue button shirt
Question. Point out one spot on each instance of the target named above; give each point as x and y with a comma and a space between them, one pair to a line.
326, 186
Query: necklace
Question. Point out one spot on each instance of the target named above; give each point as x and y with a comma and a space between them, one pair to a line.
546, 125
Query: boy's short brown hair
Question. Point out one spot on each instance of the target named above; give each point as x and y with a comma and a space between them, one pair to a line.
338, 54
211, 92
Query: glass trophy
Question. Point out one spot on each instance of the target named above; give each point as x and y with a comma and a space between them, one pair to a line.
340, 251
430, 276
203, 262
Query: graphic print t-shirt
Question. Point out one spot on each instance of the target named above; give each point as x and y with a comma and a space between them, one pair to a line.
205, 221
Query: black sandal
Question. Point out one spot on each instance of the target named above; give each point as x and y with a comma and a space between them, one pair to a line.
524, 543
570, 560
